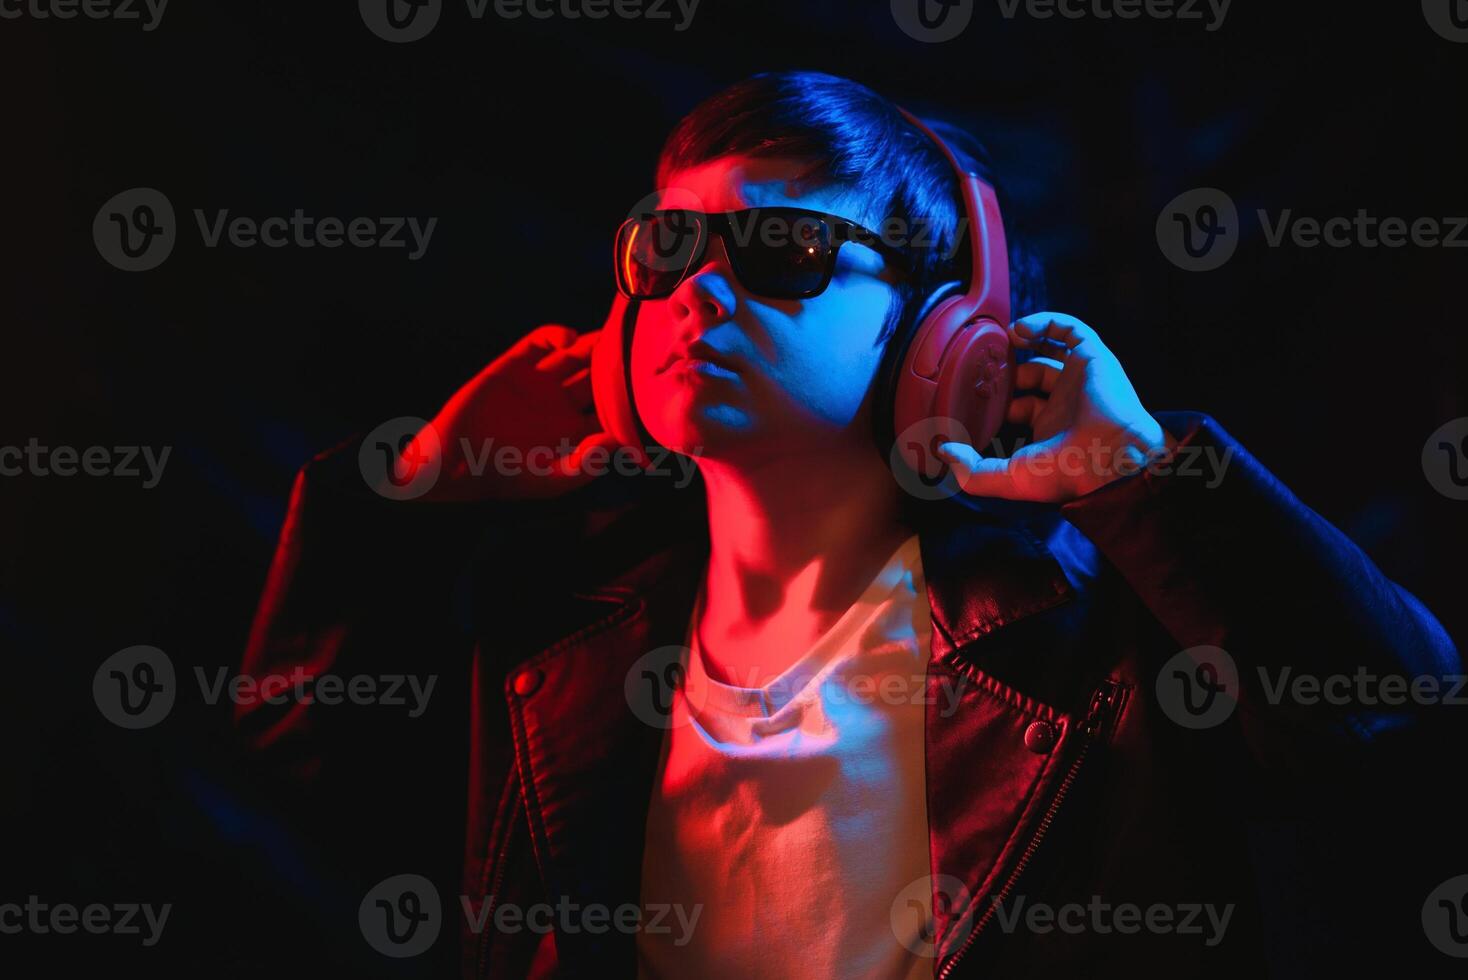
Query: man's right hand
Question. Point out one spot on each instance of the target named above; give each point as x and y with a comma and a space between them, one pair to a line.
535, 398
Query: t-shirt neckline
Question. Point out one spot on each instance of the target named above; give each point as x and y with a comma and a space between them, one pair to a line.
790, 683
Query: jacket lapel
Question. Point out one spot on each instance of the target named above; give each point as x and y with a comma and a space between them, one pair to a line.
994, 755
586, 715
986, 568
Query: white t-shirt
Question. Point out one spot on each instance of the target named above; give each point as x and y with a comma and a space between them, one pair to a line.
795, 814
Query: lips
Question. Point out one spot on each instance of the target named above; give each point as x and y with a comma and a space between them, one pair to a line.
699, 351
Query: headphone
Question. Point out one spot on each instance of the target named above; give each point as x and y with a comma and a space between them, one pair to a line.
949, 378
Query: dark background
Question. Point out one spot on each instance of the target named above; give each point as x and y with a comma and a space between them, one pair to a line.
529, 141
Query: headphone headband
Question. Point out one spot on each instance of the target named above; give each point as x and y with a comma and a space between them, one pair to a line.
985, 230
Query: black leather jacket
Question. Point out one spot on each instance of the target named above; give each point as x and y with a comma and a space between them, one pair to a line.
1059, 779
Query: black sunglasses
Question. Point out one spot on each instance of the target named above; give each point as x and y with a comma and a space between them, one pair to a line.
779, 252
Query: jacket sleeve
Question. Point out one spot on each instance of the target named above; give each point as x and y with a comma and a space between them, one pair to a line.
434, 598
409, 601
1224, 555
362, 586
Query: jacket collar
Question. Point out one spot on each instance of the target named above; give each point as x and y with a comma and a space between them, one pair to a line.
987, 563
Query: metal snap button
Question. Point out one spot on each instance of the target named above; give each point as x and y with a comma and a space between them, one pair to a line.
527, 682
1040, 737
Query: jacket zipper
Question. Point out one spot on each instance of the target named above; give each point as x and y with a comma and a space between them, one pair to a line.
1102, 700
500, 860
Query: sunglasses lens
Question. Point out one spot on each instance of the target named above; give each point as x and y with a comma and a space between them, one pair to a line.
776, 252
654, 250
784, 254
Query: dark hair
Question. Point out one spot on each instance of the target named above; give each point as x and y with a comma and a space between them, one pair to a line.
861, 142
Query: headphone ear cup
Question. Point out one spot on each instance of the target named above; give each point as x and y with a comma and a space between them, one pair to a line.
954, 383
889, 372
611, 383
939, 294
977, 380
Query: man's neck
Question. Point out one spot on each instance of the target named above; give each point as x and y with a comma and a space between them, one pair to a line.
793, 545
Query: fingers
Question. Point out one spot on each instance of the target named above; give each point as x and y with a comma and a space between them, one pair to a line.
546, 337
578, 388
1057, 335
977, 475
586, 424
1059, 327
571, 466
1038, 373
535, 345
570, 357
1010, 479
550, 347
1022, 410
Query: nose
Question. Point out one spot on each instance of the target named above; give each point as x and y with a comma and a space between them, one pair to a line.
707, 296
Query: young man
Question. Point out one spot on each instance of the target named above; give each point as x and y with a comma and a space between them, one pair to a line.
812, 728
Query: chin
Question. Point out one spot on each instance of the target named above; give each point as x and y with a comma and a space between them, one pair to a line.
715, 431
